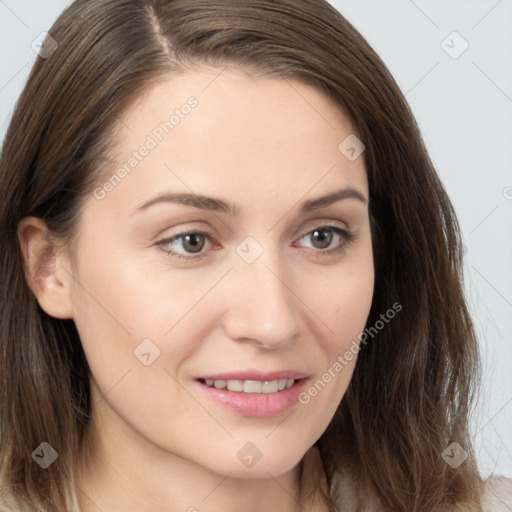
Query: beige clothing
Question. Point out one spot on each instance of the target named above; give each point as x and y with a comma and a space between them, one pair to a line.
497, 496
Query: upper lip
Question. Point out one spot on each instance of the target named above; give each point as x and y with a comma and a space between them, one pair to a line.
256, 375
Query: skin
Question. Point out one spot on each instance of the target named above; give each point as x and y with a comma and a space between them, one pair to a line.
267, 145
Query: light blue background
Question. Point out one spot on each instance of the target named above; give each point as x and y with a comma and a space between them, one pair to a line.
464, 108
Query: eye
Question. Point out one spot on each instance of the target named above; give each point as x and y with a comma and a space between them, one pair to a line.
322, 237
191, 242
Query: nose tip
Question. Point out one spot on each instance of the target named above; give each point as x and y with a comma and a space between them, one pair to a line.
263, 308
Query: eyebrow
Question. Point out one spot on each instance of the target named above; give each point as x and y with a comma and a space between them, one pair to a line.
220, 206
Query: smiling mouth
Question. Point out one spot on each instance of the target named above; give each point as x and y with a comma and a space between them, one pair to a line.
251, 386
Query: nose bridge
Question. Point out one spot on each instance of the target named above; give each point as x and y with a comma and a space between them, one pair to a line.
262, 307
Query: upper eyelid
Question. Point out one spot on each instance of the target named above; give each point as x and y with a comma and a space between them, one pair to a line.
315, 225
302, 233
330, 224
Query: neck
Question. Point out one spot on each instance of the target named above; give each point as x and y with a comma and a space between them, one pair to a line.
122, 470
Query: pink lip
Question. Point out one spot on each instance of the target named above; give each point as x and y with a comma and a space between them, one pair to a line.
256, 405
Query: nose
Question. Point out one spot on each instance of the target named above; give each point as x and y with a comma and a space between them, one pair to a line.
262, 307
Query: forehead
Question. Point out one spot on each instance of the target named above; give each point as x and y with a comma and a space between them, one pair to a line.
221, 130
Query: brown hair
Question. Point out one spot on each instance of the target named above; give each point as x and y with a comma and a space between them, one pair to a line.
413, 384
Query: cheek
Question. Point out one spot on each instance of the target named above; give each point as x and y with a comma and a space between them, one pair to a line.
111, 316
343, 303
134, 322
343, 307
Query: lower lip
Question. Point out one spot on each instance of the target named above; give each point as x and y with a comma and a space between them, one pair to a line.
256, 405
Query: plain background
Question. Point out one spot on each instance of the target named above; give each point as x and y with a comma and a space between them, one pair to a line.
463, 103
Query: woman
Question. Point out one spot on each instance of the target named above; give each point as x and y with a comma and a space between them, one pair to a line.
232, 277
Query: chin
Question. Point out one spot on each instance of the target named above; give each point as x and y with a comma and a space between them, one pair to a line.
260, 466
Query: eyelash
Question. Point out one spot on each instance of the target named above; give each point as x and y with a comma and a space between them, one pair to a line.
347, 236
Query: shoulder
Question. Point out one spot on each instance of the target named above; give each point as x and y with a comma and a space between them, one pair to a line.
497, 494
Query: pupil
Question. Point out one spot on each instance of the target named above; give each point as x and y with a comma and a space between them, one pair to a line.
191, 243
325, 240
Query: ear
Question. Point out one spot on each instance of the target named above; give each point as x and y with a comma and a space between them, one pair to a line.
47, 269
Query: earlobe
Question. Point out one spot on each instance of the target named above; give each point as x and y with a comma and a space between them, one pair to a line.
47, 269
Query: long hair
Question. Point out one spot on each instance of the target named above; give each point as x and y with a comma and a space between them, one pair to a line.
413, 384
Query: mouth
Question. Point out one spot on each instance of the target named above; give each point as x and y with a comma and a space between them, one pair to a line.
250, 386
254, 394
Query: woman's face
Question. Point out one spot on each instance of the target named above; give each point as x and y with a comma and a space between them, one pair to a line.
275, 292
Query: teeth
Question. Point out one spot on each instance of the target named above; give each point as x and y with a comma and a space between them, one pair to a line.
270, 387
219, 384
235, 385
251, 386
